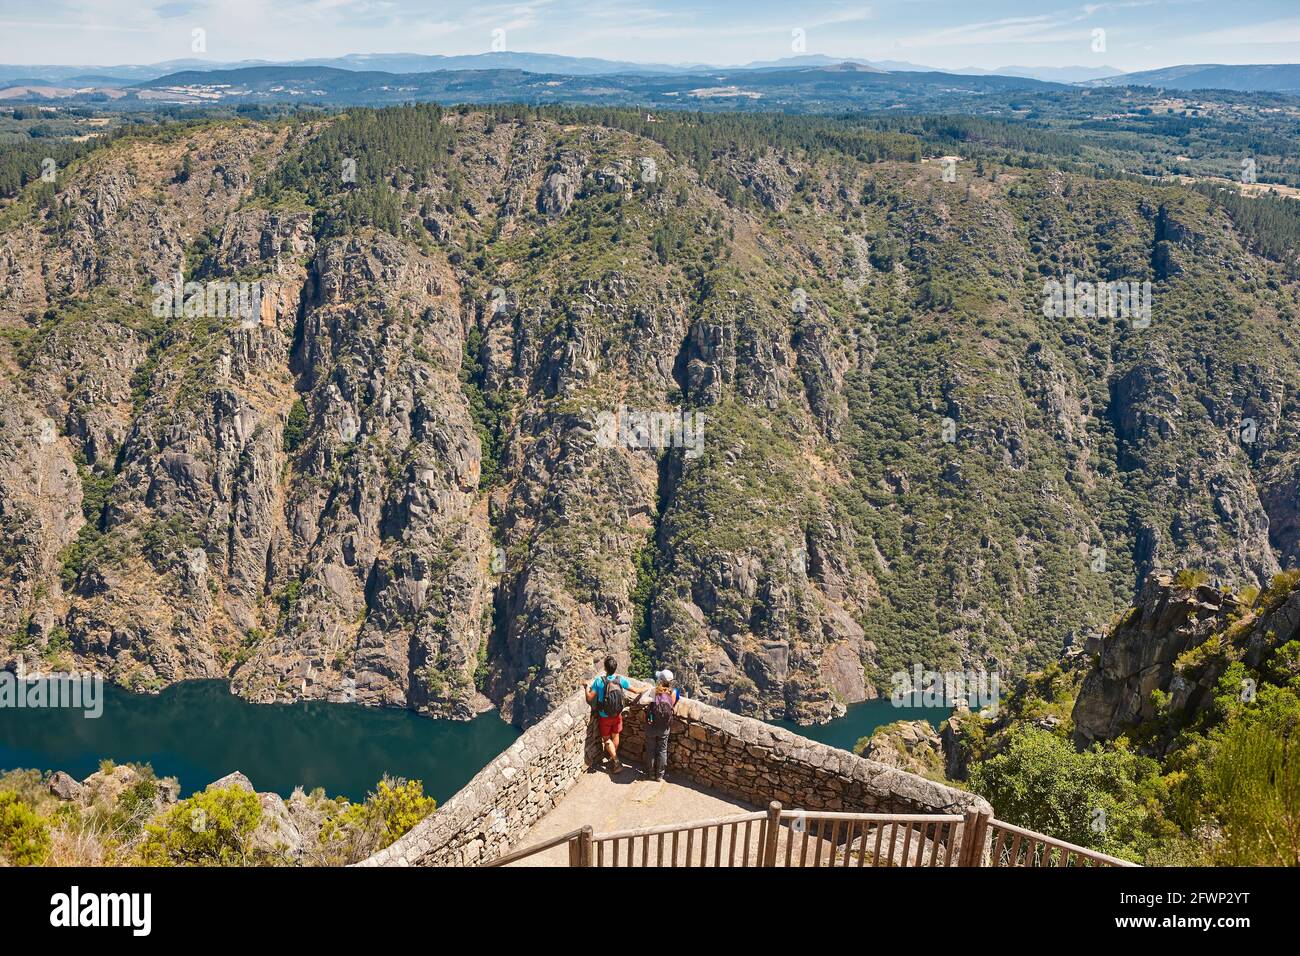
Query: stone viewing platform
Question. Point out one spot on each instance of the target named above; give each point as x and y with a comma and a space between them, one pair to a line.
718, 762
740, 792
623, 801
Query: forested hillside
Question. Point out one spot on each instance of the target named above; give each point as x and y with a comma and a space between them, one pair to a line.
391, 482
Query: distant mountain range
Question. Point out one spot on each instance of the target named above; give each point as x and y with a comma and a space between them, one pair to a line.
1264, 77
838, 87
602, 80
403, 63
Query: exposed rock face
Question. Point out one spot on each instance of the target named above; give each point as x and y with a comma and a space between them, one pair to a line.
234, 780
40, 504
65, 787
770, 179
952, 734
411, 475
1139, 656
104, 787
1152, 650
557, 195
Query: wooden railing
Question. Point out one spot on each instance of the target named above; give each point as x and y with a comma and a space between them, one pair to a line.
803, 838
726, 841
574, 838
884, 839
1015, 846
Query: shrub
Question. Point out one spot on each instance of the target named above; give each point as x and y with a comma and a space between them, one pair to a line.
212, 828
1105, 798
1189, 578
365, 828
24, 834
295, 428
1253, 784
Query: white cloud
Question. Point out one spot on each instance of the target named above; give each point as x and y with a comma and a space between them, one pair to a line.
1253, 34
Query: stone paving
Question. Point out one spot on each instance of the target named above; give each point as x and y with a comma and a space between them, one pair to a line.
622, 801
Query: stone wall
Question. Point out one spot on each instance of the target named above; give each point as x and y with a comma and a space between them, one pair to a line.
758, 763
506, 797
738, 756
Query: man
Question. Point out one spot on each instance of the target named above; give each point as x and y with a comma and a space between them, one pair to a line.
659, 717
606, 696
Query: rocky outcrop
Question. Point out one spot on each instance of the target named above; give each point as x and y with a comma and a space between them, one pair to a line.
770, 178
1139, 656
65, 787
40, 509
1178, 641
912, 745
103, 787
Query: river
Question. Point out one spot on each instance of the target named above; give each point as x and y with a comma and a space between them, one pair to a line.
197, 731
862, 720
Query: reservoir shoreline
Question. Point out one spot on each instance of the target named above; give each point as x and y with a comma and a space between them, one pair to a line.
198, 731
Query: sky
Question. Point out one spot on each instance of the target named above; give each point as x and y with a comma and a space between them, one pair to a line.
949, 34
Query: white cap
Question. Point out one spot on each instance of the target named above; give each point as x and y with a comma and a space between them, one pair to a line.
664, 676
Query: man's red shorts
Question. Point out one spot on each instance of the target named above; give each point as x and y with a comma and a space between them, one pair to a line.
609, 726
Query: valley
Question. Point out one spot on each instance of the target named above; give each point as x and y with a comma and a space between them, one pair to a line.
388, 484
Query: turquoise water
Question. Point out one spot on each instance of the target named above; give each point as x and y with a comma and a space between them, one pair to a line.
862, 720
198, 731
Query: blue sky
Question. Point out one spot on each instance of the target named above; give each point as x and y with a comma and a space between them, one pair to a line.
1138, 34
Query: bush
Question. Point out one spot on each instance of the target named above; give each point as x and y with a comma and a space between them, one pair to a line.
1253, 784
361, 829
295, 428
24, 834
212, 828
1189, 578
1105, 798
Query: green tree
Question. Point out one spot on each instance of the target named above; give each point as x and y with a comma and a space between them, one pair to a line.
361, 829
212, 828
1105, 798
295, 427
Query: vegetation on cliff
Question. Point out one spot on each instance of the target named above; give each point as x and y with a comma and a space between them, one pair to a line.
123, 815
1211, 777
391, 485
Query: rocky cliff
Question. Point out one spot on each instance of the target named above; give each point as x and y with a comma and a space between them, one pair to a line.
406, 475
1165, 660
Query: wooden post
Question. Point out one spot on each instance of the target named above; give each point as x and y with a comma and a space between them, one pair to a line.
773, 831
584, 847
967, 837
972, 838
981, 836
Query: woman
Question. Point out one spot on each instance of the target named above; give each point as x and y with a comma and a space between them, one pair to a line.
659, 717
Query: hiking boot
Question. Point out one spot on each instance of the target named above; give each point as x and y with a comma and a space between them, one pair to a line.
660, 778
615, 767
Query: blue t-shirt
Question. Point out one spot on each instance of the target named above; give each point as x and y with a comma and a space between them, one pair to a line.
598, 685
